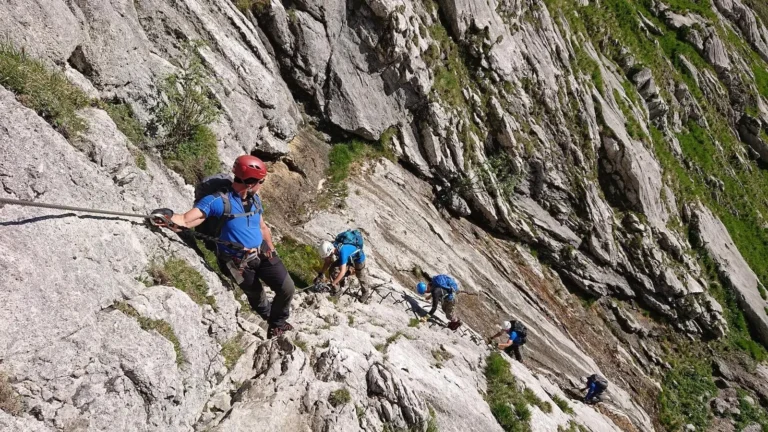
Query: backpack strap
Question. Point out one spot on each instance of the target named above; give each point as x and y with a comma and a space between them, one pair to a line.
227, 210
255, 205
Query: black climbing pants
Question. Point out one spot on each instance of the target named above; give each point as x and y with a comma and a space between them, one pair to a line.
514, 350
272, 272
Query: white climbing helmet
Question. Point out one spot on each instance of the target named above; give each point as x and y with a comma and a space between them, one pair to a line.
507, 325
325, 249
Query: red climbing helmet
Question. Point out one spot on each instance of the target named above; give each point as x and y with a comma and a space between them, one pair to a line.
247, 167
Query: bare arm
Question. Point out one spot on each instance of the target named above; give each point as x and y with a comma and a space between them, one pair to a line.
342, 272
326, 264
189, 219
267, 234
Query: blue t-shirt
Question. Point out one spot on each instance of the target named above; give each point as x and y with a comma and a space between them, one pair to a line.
513, 336
244, 230
349, 251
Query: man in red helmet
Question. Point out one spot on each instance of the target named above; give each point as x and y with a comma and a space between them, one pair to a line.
244, 224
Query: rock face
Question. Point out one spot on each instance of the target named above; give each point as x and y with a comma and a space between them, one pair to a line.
715, 239
563, 173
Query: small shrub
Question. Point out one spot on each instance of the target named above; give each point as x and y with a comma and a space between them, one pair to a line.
47, 92
232, 350
10, 401
161, 326
339, 397
302, 261
195, 158
184, 113
177, 273
562, 404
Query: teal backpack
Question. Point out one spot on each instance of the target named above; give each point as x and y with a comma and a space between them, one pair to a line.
349, 237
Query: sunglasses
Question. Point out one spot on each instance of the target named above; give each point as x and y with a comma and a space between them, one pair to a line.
250, 181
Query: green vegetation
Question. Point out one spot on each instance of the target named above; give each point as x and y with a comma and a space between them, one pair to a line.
125, 120
633, 126
46, 91
451, 73
739, 336
339, 397
432, 423
684, 387
572, 427
441, 355
750, 413
532, 399
302, 261
562, 404
161, 326
300, 344
177, 273
414, 322
10, 401
508, 404
345, 156
257, 6
232, 350
350, 320
390, 340
589, 66
185, 111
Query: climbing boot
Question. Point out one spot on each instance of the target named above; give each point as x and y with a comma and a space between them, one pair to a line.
365, 297
278, 331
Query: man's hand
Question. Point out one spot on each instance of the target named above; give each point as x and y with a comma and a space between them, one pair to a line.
320, 278
163, 217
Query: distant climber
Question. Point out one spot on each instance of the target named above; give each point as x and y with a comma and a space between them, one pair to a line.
232, 212
345, 256
596, 384
517, 333
443, 289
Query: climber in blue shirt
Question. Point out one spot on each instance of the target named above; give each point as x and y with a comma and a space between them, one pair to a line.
596, 384
517, 333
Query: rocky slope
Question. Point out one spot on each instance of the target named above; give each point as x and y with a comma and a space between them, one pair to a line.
595, 169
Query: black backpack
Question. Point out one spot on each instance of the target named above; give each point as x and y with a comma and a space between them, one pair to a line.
600, 380
521, 331
220, 185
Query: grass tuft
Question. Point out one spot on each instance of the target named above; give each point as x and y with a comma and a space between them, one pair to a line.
10, 401
177, 273
161, 326
339, 397
46, 91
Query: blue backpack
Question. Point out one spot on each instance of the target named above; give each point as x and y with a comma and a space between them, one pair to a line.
350, 237
447, 283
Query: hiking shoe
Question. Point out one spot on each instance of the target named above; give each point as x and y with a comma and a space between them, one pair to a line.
453, 325
278, 331
365, 298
